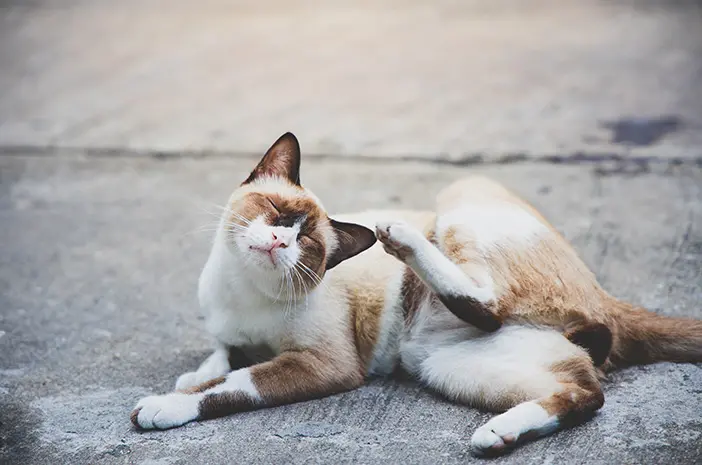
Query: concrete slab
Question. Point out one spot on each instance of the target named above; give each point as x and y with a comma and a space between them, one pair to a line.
442, 79
98, 265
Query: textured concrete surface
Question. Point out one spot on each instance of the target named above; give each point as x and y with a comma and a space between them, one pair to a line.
452, 79
98, 264
122, 124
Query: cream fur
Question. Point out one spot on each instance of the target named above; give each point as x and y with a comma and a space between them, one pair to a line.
492, 225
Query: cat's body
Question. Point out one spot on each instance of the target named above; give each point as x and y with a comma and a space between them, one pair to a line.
487, 305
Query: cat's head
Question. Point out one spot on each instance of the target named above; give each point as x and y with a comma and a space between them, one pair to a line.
279, 231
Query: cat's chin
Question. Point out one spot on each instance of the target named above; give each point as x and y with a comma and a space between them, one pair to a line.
264, 268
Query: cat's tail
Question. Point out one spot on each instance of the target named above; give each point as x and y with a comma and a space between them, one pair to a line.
642, 336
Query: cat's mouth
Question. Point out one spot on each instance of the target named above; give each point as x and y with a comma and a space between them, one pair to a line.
267, 251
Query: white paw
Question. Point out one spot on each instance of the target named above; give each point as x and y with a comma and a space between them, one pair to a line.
486, 441
187, 380
503, 431
398, 238
167, 411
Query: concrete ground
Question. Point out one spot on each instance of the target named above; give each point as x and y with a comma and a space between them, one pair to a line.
99, 261
123, 126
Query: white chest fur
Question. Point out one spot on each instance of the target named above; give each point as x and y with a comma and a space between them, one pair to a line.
235, 314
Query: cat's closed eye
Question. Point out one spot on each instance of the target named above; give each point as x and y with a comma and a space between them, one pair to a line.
275, 207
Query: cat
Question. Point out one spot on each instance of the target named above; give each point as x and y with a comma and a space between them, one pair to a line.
480, 300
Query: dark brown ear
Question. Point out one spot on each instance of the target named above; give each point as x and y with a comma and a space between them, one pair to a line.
282, 159
353, 239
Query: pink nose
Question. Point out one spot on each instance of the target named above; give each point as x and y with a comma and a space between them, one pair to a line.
277, 242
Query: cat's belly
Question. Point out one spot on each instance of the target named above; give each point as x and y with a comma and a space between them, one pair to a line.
438, 337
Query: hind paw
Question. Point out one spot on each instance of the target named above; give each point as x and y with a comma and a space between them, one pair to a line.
523, 422
486, 441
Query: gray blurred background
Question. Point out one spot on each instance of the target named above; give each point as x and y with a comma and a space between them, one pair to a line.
390, 78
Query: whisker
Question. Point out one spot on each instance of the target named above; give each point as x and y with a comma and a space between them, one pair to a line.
225, 210
291, 291
241, 217
280, 289
315, 279
304, 286
318, 279
215, 214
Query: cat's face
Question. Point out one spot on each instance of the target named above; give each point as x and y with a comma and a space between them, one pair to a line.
279, 230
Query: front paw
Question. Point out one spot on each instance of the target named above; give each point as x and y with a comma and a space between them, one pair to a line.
398, 238
186, 381
167, 411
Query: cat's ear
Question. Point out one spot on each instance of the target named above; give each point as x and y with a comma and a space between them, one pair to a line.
352, 239
282, 160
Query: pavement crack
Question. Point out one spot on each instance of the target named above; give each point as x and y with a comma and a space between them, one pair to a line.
606, 163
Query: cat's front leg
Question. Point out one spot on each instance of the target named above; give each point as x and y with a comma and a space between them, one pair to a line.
292, 376
470, 298
223, 360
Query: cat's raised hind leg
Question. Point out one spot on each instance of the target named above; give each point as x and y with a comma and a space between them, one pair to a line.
467, 291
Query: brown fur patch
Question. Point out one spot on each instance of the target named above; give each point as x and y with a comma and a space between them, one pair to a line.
641, 336
581, 394
206, 385
472, 312
365, 309
280, 210
577, 370
295, 376
596, 338
430, 232
133, 417
224, 403
573, 404
413, 294
453, 247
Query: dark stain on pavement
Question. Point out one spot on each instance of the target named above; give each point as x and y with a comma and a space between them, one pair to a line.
643, 131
